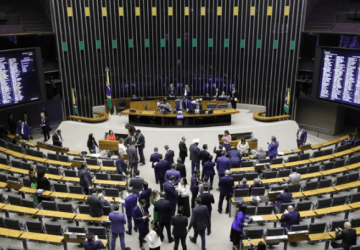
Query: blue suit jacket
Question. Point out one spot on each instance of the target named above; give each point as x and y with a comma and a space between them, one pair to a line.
175, 173
194, 183
169, 156
130, 203
85, 178
218, 153
194, 153
303, 136
160, 169
171, 193
226, 184
204, 156
141, 141
26, 130
145, 194
95, 245
120, 166
154, 158
139, 221
208, 169
164, 209
117, 222
137, 184
273, 149
283, 198
292, 218
222, 164
200, 218
234, 155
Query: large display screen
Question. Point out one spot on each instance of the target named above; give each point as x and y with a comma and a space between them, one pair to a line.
19, 77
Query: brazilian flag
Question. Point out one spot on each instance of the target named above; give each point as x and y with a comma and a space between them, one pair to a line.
108, 90
287, 102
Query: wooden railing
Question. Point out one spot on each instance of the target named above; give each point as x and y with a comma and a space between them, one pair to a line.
104, 117
259, 116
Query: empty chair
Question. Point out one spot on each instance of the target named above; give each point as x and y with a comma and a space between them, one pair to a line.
49, 205
264, 161
313, 169
247, 164
65, 207
100, 176
355, 222
355, 197
302, 170
76, 229
294, 188
70, 173
29, 151
14, 200
92, 162
277, 188
344, 147
53, 229
1, 197
284, 173
328, 151
284, 206
274, 232
76, 189
253, 233
78, 159
3, 178
25, 165
269, 174
3, 143
107, 210
11, 146
315, 228
241, 192
251, 176
26, 182
324, 202
325, 183
339, 200
353, 176
99, 231
16, 164
318, 154
258, 191
303, 206
310, 185
295, 228
237, 177
339, 163
54, 170
44, 169
52, 156
14, 178
18, 148
337, 224
13, 224
3, 161
108, 163
353, 159
357, 247
264, 209
35, 227
357, 143
117, 177
250, 210
304, 156
112, 192
28, 203
60, 188
83, 209
38, 154
277, 161
328, 166
341, 180
293, 158
64, 158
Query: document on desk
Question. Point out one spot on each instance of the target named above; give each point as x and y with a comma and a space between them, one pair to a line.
257, 218
255, 198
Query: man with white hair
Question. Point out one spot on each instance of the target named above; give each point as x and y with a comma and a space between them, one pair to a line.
348, 237
226, 184
290, 217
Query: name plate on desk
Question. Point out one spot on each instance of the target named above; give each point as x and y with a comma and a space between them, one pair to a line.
276, 239
298, 235
74, 237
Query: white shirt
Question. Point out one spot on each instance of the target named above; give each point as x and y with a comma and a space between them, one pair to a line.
22, 129
243, 147
122, 149
185, 92
300, 133
184, 191
154, 239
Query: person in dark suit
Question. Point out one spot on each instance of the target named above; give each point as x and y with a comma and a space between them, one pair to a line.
130, 204
173, 172
44, 125
207, 199
234, 157
194, 187
284, 197
155, 158
23, 130
179, 222
208, 170
12, 124
92, 144
183, 149
171, 193
140, 144
187, 92
222, 164
216, 94
233, 97
95, 205
195, 155
171, 91
117, 227
218, 152
145, 195
242, 184
169, 156
42, 183
290, 217
141, 218
348, 237
301, 136
91, 244
121, 166
160, 169
226, 184
180, 166
204, 155
133, 158
164, 209
136, 182
200, 221
57, 138
85, 178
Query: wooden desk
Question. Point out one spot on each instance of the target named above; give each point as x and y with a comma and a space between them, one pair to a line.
275, 166
303, 214
289, 152
3, 184
19, 170
322, 158
334, 171
75, 153
296, 163
273, 180
87, 217
10, 233
77, 196
350, 185
56, 214
353, 166
318, 191
355, 205
310, 176
108, 169
70, 179
60, 195
59, 163
110, 183
27, 190
316, 146
298, 195
335, 209
320, 236
4, 167
54, 177
253, 242
20, 209
246, 169
35, 159
3, 150
55, 239
93, 167
2, 205
265, 218
342, 153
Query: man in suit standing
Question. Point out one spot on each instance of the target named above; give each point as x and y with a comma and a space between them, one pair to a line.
208, 170
136, 182
301, 136
207, 199
233, 97
57, 138
218, 152
226, 184
234, 157
92, 244
200, 221
180, 222
204, 155
195, 155
171, 91
95, 204
44, 125
145, 194
222, 164
154, 158
180, 166
160, 169
121, 166
117, 227
140, 144
85, 178
171, 193
290, 217
130, 204
133, 158
141, 218
194, 187
187, 92
173, 172
183, 149
348, 237
165, 210
169, 156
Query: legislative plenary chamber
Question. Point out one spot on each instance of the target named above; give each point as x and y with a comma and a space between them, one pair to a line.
179, 124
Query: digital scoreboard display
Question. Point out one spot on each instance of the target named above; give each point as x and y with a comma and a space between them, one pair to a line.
19, 77
339, 78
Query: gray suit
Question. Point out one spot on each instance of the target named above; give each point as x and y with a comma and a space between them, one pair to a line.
95, 206
133, 157
137, 184
294, 179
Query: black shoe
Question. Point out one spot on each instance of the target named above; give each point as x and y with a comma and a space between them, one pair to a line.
220, 212
144, 241
129, 233
209, 232
135, 229
227, 211
171, 240
192, 239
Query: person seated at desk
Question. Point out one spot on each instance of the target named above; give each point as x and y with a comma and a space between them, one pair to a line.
57, 138
352, 138
167, 106
95, 204
284, 197
91, 243
242, 184
171, 91
290, 217
348, 237
111, 136
223, 96
243, 147
260, 155
187, 92
216, 95
294, 178
257, 183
